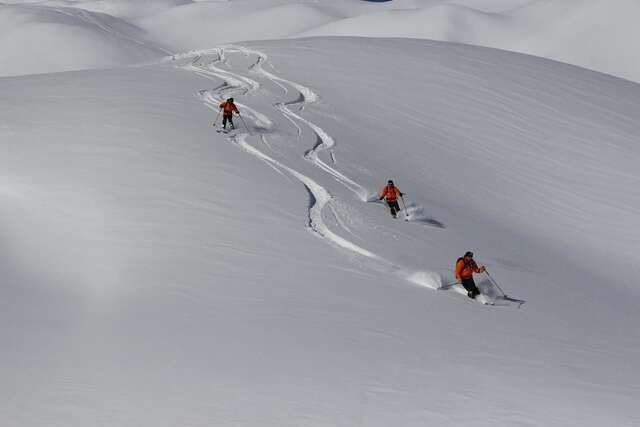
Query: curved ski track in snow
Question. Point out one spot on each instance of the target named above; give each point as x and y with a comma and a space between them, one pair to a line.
320, 196
306, 96
320, 199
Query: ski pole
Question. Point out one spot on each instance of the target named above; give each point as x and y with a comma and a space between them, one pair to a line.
406, 215
216, 120
245, 124
449, 285
494, 282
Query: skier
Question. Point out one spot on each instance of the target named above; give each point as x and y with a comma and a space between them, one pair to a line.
228, 107
391, 193
465, 267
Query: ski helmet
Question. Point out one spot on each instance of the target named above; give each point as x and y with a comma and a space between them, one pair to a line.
469, 254
230, 100
390, 182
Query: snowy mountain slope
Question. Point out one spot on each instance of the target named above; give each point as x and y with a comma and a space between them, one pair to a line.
593, 34
588, 33
157, 272
124, 9
596, 34
51, 39
213, 23
582, 182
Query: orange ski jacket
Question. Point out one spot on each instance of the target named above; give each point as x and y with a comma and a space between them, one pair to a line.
465, 270
390, 193
228, 108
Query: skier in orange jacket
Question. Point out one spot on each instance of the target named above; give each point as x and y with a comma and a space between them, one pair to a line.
228, 107
465, 267
391, 193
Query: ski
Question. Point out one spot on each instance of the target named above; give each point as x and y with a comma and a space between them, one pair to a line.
514, 300
225, 131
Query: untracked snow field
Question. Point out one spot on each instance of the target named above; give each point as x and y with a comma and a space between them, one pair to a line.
159, 273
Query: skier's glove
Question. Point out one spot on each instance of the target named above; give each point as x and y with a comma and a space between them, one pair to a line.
482, 269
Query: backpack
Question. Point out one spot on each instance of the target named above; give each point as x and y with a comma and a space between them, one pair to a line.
457, 261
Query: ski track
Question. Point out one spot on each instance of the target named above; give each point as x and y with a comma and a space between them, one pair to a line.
320, 198
306, 96
319, 195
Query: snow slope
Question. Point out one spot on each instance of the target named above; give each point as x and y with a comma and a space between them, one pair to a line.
213, 23
596, 34
37, 39
160, 273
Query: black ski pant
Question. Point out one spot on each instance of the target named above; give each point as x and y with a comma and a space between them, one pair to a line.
470, 286
227, 118
393, 206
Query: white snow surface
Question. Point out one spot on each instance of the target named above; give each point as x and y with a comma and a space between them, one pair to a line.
595, 34
39, 39
158, 273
